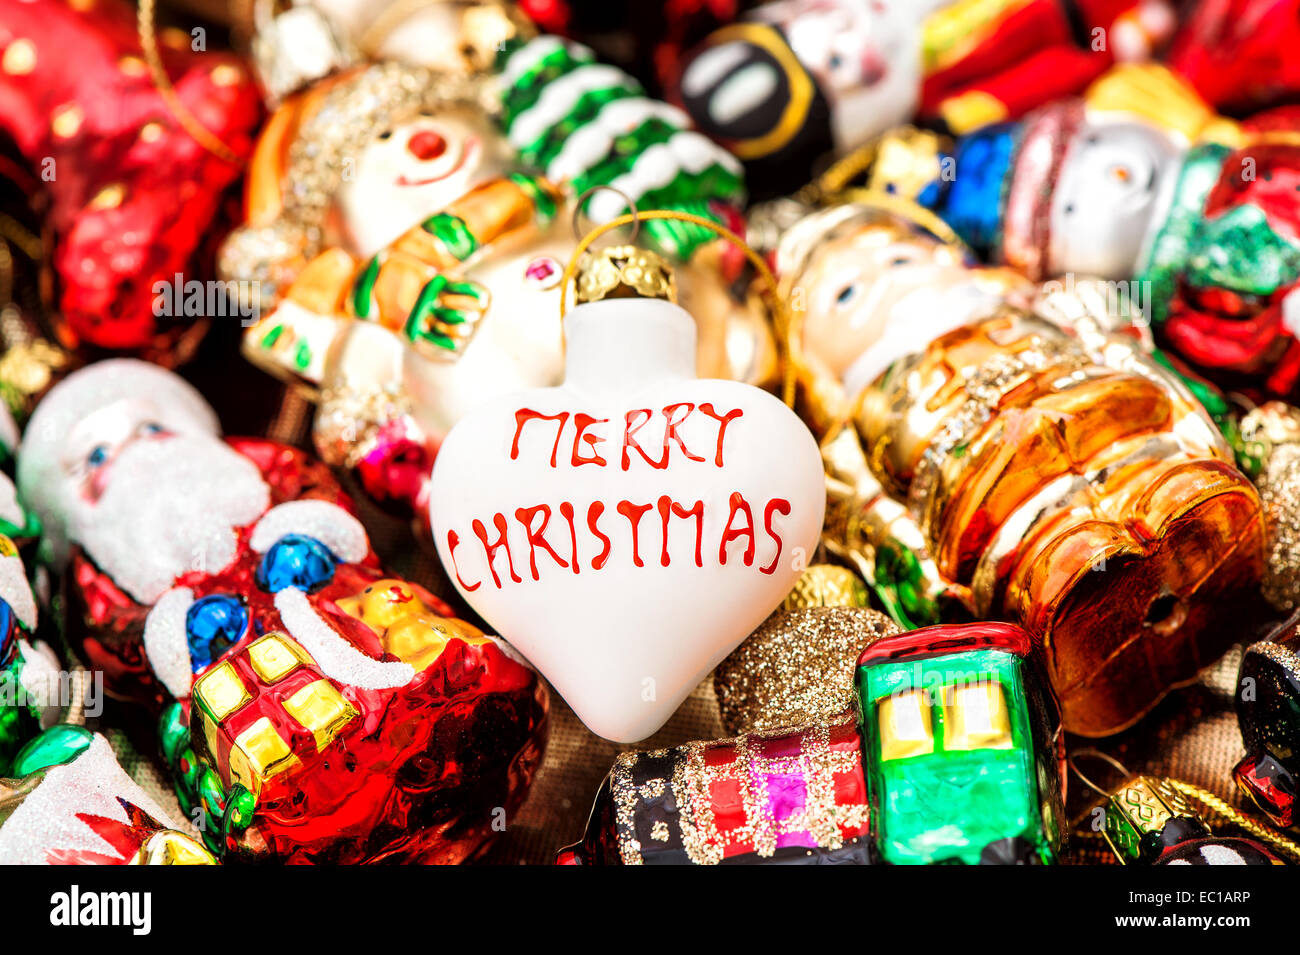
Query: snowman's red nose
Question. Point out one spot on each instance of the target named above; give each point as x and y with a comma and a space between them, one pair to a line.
426, 145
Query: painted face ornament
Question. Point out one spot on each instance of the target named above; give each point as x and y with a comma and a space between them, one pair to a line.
1142, 183
312, 707
993, 461
799, 79
627, 529
951, 752
435, 291
803, 78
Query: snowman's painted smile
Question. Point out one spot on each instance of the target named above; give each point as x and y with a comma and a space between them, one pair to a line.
470, 150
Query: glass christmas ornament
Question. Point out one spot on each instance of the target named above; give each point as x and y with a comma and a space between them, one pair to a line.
424, 281
951, 752
311, 708
627, 529
990, 453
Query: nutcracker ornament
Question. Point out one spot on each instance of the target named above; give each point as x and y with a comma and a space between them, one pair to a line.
1141, 182
951, 753
984, 459
133, 171
627, 529
798, 79
434, 291
312, 708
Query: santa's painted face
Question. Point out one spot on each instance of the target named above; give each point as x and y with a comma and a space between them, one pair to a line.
151, 495
857, 289
865, 56
413, 170
1114, 184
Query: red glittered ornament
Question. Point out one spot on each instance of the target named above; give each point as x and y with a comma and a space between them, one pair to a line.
131, 193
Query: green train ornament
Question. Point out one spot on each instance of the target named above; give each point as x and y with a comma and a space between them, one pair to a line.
952, 753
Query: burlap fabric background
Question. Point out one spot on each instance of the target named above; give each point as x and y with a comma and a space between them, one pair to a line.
1191, 736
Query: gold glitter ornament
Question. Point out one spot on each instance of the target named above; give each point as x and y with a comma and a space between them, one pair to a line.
796, 668
1270, 447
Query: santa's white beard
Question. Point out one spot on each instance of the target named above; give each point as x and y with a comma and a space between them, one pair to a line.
171, 506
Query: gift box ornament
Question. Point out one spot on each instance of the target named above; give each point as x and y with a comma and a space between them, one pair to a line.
407, 228
990, 461
312, 708
135, 180
951, 753
793, 81
627, 529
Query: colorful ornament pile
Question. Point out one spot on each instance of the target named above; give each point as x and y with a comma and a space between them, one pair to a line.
933, 459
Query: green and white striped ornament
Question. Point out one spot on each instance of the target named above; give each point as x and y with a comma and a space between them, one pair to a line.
586, 124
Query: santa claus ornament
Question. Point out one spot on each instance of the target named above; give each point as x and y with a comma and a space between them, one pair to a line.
311, 707
628, 528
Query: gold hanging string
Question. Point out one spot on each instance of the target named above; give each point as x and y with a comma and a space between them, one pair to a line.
1105, 758
776, 303
6, 274
187, 120
13, 235
18, 236
842, 172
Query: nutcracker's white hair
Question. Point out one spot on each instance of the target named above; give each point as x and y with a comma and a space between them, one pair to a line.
81, 393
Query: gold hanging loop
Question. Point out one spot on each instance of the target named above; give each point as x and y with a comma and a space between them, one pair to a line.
780, 311
187, 120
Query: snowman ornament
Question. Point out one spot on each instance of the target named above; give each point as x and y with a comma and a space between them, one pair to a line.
627, 529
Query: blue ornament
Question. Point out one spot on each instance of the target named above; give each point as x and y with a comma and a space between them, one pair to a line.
8, 631
297, 561
972, 201
212, 624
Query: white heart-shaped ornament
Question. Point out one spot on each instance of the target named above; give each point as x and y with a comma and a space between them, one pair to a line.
628, 529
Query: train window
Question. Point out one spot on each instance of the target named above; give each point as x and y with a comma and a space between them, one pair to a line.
905, 728
975, 716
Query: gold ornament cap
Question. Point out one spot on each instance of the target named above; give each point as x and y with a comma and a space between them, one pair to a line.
624, 271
